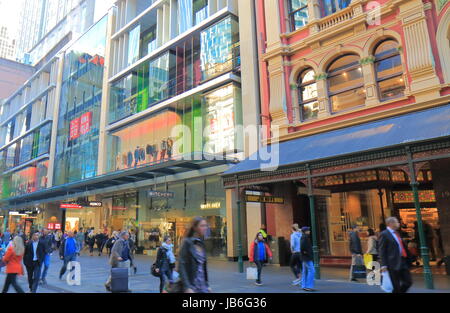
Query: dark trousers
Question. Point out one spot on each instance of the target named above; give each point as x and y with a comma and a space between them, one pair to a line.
166, 275
401, 279
34, 273
259, 266
11, 279
296, 264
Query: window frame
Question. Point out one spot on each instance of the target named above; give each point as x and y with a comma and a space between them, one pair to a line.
385, 57
337, 72
292, 13
301, 84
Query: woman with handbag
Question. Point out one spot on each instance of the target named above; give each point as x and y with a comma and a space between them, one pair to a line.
259, 253
13, 259
372, 244
165, 262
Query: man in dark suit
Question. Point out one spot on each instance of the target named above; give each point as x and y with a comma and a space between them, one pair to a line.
394, 256
33, 259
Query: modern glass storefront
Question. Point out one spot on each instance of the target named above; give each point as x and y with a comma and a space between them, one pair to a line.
79, 114
200, 57
171, 216
201, 123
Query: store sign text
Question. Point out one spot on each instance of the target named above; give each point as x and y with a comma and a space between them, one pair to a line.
160, 194
264, 199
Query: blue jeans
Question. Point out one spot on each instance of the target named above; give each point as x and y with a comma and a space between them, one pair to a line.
308, 274
45, 266
67, 259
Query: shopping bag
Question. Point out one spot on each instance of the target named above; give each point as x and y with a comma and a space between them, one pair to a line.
252, 273
386, 283
359, 271
367, 260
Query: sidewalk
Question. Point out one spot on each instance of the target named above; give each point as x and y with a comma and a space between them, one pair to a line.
223, 276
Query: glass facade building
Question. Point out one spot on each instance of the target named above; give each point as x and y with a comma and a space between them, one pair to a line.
79, 113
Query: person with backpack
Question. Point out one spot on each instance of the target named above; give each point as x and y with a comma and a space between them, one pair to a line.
165, 263
259, 253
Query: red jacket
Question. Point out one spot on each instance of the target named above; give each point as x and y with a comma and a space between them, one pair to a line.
13, 262
254, 247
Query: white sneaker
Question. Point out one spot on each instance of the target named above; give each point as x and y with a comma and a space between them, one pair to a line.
296, 282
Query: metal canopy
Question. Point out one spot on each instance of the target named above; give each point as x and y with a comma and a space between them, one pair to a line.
186, 163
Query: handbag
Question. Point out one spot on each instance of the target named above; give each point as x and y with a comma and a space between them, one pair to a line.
153, 270
252, 273
368, 258
359, 268
386, 283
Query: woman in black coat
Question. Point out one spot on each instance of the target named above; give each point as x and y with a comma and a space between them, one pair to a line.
193, 262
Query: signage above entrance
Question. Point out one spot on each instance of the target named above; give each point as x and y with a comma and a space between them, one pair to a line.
160, 194
70, 206
264, 199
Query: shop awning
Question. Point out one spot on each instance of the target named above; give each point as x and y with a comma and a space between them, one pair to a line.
410, 128
182, 164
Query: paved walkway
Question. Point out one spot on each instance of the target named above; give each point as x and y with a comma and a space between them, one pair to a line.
224, 278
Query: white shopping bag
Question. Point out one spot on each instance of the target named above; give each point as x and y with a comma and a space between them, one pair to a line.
386, 283
252, 273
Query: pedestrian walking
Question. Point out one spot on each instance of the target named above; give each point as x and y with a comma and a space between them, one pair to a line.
259, 253
394, 257
165, 263
91, 242
296, 258
372, 244
79, 238
307, 260
68, 251
6, 237
132, 244
47, 241
110, 243
193, 265
58, 238
33, 260
355, 250
120, 256
13, 259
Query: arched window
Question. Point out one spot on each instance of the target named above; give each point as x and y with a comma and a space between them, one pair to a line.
298, 13
307, 95
388, 69
346, 83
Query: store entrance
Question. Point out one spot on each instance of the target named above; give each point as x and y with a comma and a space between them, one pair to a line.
430, 217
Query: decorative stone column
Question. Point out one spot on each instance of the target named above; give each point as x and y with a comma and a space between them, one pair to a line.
314, 15
278, 97
370, 84
425, 83
322, 95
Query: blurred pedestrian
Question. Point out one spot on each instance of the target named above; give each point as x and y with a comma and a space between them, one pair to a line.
193, 265
165, 261
47, 242
13, 259
355, 250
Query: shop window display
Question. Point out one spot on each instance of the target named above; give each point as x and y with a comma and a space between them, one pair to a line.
210, 119
345, 209
199, 197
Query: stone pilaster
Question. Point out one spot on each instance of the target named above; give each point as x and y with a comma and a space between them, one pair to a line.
425, 83
278, 97
322, 95
370, 84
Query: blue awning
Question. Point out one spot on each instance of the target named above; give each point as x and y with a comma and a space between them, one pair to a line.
408, 128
